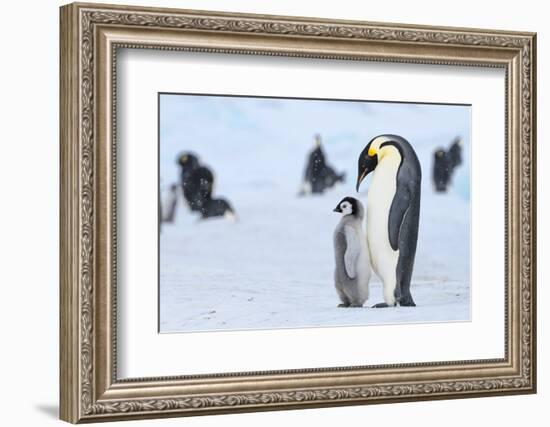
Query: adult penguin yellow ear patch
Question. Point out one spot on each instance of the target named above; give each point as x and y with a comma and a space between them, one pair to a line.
372, 152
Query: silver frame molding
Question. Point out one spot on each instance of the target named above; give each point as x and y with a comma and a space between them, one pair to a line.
90, 37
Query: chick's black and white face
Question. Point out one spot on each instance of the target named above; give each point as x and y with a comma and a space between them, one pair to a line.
346, 208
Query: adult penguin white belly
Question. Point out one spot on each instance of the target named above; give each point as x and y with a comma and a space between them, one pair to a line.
393, 212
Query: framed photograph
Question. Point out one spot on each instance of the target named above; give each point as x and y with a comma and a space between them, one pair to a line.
266, 212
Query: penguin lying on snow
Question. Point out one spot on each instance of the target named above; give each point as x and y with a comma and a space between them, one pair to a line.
319, 176
393, 213
352, 273
444, 164
215, 208
196, 181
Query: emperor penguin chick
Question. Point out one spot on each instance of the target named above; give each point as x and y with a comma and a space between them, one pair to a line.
352, 272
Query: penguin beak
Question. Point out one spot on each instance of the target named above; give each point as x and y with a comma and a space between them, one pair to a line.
360, 179
367, 164
337, 209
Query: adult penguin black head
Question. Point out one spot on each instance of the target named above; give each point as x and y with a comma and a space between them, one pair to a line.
383, 146
368, 160
188, 160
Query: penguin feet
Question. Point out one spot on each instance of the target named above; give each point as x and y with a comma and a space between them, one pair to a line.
407, 301
352, 305
407, 304
382, 305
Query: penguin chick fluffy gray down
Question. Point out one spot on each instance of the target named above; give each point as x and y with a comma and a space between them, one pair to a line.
353, 271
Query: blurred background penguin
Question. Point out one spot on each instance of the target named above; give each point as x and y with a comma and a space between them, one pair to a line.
318, 175
444, 164
196, 181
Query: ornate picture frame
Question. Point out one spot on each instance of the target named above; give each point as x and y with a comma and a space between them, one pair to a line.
90, 37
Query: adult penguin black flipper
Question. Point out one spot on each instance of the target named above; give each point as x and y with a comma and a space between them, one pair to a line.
393, 212
407, 236
399, 208
404, 220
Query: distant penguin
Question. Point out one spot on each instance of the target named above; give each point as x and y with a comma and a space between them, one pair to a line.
441, 171
318, 175
212, 208
169, 205
352, 272
196, 181
393, 213
455, 152
444, 164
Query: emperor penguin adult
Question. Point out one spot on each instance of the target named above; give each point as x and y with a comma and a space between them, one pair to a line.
393, 212
352, 272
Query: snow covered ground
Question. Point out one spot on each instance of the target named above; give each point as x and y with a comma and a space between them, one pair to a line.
273, 268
